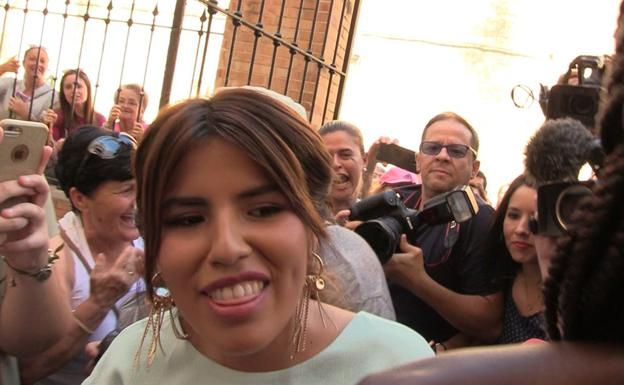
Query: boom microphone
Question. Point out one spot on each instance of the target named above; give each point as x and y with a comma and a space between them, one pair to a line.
559, 149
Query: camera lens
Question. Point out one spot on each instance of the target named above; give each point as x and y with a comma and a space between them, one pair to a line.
19, 153
567, 201
383, 236
582, 105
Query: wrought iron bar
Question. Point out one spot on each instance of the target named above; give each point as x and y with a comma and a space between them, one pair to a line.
4, 23
200, 33
332, 68
320, 67
123, 60
19, 54
32, 99
149, 51
99, 71
58, 58
307, 59
257, 36
77, 74
292, 51
270, 36
211, 12
236, 22
276, 42
172, 51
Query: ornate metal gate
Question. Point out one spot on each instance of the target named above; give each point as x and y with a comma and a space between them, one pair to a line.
185, 48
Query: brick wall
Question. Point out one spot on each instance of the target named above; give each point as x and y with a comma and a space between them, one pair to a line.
243, 47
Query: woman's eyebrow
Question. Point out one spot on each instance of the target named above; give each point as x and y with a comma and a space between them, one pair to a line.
184, 201
260, 190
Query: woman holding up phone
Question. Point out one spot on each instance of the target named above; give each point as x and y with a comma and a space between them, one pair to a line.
29, 284
127, 113
76, 106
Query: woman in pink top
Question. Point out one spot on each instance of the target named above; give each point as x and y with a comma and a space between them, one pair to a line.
76, 106
127, 113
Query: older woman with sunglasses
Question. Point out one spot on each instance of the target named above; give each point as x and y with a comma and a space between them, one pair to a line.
101, 262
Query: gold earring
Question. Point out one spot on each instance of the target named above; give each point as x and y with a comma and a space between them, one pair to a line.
162, 302
312, 286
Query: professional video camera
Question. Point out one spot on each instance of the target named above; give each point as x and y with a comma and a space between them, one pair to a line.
386, 216
556, 202
576, 95
579, 101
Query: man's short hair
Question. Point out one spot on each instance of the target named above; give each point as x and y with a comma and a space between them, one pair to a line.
474, 141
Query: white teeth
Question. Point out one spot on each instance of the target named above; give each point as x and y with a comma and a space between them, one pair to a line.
238, 290
227, 293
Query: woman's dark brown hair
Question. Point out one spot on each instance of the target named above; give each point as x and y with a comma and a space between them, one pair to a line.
276, 138
66, 105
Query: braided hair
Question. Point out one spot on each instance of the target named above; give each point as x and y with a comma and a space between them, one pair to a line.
583, 294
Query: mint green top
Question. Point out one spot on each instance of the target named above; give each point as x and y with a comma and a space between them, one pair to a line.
367, 344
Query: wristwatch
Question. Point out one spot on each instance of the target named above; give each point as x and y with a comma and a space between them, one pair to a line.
44, 272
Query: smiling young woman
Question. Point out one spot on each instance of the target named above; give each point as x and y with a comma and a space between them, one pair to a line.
229, 192
511, 249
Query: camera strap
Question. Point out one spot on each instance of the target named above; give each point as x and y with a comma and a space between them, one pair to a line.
451, 235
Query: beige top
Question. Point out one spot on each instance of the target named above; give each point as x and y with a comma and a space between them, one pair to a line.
9, 374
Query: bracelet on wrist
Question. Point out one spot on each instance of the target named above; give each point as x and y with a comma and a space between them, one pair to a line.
81, 324
41, 274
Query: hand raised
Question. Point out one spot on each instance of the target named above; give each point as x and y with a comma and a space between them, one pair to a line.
407, 269
111, 280
11, 65
23, 231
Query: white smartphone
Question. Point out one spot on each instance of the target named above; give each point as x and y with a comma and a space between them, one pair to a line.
20, 151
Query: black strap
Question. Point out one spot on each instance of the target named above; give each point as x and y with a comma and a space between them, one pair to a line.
84, 262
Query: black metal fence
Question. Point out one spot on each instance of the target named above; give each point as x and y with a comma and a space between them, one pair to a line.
185, 48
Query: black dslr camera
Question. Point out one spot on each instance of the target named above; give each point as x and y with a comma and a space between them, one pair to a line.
386, 217
555, 204
578, 101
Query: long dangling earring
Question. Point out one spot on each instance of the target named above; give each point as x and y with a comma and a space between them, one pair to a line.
312, 286
161, 303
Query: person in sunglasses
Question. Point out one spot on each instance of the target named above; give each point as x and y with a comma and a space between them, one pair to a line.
101, 260
438, 282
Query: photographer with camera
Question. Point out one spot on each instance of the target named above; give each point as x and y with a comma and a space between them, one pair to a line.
438, 282
584, 286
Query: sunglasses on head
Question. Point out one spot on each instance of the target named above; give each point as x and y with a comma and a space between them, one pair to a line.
454, 150
107, 147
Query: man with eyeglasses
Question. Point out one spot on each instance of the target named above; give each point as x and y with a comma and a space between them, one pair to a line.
439, 284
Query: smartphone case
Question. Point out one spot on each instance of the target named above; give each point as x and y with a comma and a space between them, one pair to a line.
21, 148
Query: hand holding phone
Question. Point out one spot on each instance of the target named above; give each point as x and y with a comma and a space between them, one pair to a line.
21, 151
23, 232
397, 155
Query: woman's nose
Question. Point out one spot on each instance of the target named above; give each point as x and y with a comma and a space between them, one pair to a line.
522, 226
228, 241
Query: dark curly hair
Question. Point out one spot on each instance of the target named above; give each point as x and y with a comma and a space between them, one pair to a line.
573, 141
583, 294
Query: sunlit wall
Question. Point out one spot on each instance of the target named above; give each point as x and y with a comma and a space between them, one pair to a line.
414, 58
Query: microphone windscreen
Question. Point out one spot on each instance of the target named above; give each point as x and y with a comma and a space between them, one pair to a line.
557, 151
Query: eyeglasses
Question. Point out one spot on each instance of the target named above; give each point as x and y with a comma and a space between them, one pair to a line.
454, 150
106, 147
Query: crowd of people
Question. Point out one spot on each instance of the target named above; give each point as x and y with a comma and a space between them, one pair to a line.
219, 245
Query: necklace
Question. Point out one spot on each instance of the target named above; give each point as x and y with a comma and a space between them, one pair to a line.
531, 300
